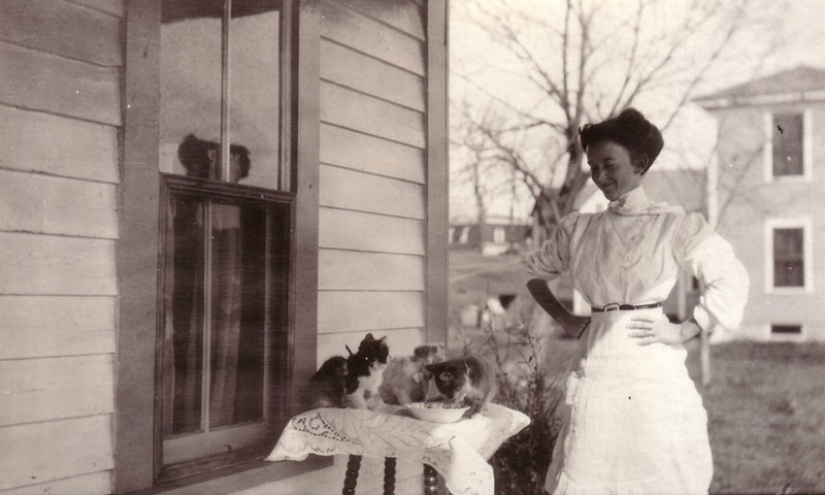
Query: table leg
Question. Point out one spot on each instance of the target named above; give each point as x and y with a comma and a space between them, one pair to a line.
430, 480
389, 475
351, 479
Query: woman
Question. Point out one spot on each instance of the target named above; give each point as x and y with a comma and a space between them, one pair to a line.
635, 423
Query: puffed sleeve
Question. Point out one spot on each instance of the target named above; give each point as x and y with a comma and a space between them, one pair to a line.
553, 258
711, 259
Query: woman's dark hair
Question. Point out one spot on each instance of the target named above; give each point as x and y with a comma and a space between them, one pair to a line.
630, 129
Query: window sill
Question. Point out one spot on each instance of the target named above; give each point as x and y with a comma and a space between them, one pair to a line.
238, 478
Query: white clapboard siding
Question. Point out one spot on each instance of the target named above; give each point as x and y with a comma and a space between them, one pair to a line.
346, 311
40, 142
347, 189
56, 205
401, 342
63, 29
347, 108
365, 153
52, 265
41, 326
407, 17
41, 81
350, 270
44, 452
46, 389
350, 28
99, 483
114, 7
355, 70
344, 229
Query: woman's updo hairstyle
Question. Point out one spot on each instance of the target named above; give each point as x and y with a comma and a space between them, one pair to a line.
630, 129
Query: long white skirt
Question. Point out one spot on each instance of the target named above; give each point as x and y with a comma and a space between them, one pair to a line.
634, 422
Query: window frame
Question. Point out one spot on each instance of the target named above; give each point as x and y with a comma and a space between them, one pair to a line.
773, 224
807, 149
136, 452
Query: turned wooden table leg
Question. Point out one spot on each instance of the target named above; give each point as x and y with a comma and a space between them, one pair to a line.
430, 480
351, 479
389, 475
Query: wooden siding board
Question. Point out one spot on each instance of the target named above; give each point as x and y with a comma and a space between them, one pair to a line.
401, 342
52, 265
343, 311
365, 153
54, 205
350, 270
50, 144
347, 189
46, 389
437, 172
41, 81
114, 7
404, 16
344, 229
366, 35
99, 483
349, 68
63, 29
44, 452
347, 108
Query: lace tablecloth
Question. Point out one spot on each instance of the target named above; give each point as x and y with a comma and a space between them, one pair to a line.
458, 451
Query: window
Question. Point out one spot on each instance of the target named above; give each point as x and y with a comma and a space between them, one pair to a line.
786, 330
465, 235
225, 233
499, 235
788, 150
789, 251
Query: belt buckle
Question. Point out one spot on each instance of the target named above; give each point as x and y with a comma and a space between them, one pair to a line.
611, 307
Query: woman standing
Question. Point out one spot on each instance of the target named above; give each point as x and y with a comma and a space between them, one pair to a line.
635, 422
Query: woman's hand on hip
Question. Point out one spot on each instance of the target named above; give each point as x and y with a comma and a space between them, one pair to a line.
650, 330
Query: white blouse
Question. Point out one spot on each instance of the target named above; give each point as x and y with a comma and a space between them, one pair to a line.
632, 254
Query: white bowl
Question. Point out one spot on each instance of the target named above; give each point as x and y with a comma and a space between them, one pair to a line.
437, 412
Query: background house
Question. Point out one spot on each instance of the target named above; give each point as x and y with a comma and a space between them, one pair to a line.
136, 260
768, 197
497, 235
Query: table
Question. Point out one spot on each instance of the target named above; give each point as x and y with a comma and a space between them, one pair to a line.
458, 451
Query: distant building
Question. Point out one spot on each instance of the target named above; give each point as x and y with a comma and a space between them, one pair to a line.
498, 235
768, 197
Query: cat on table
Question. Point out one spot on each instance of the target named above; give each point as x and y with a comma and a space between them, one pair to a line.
470, 381
405, 377
352, 381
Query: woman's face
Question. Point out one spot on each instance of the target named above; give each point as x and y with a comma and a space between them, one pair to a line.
612, 168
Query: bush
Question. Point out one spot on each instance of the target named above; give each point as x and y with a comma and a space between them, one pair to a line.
525, 383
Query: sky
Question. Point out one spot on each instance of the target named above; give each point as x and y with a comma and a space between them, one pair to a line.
794, 29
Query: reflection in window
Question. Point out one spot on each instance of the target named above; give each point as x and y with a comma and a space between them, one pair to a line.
217, 88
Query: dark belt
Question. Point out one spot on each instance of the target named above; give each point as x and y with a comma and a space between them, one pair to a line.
625, 307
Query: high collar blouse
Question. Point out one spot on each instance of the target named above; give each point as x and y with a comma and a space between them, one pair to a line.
632, 253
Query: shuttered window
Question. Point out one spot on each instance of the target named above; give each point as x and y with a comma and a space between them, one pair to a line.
788, 145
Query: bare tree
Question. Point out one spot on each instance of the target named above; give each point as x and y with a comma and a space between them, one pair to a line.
568, 63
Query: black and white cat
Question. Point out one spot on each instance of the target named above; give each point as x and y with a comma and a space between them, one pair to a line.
365, 372
352, 381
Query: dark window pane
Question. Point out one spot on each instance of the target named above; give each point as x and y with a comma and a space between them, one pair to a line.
183, 332
788, 258
787, 144
238, 323
786, 329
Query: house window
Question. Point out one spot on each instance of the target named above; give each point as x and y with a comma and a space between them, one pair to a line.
786, 330
499, 235
225, 223
789, 249
788, 258
789, 147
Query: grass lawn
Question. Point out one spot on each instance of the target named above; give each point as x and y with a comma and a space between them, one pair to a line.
765, 403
